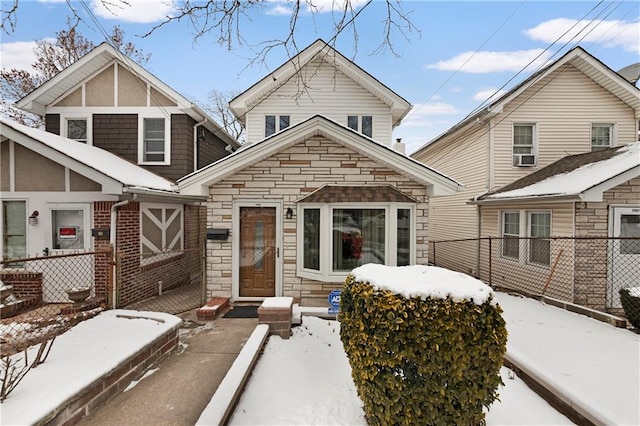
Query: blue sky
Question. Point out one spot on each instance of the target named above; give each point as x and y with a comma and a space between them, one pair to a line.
433, 71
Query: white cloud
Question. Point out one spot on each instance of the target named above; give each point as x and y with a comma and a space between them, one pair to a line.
17, 55
487, 62
134, 11
608, 33
422, 114
312, 6
279, 9
490, 93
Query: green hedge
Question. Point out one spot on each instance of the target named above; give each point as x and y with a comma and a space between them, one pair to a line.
416, 361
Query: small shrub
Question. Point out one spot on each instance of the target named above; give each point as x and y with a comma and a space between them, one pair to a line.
421, 361
631, 305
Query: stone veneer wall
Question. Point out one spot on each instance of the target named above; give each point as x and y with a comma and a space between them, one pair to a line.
591, 264
289, 176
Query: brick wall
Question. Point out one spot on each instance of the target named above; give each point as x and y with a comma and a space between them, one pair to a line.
591, 258
288, 176
27, 286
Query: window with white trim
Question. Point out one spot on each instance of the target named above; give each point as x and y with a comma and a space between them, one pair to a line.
336, 238
154, 135
601, 136
161, 228
14, 229
362, 124
535, 226
275, 123
524, 144
77, 129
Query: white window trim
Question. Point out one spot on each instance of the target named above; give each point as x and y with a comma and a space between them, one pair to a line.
167, 139
502, 233
64, 118
525, 232
87, 220
179, 239
326, 273
534, 149
613, 138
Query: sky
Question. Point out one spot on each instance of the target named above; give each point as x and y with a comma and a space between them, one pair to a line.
461, 54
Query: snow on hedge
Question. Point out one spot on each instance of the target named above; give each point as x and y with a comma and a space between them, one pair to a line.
423, 282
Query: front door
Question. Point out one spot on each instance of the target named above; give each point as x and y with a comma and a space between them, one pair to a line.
624, 257
257, 257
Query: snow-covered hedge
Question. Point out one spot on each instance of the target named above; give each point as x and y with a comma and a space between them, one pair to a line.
630, 300
425, 344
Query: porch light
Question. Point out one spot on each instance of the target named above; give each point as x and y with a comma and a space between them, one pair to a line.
33, 219
289, 213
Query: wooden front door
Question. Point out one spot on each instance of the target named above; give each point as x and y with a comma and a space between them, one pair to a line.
257, 251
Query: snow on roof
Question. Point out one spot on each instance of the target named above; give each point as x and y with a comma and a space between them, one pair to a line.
423, 282
577, 180
110, 165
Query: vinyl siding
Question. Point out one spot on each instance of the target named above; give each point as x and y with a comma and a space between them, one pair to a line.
325, 91
564, 105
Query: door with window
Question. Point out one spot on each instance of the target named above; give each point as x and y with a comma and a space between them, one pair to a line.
624, 256
257, 252
14, 229
69, 234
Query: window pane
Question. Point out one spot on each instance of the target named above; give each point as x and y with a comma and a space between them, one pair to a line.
600, 137
523, 135
284, 122
269, 125
352, 122
14, 229
367, 125
258, 245
311, 237
154, 143
68, 229
510, 234
358, 238
77, 129
404, 237
630, 227
540, 227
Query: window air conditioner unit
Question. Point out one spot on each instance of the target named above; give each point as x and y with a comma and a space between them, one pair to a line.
524, 160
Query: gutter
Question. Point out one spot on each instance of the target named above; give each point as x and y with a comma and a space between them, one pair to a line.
174, 196
112, 243
540, 199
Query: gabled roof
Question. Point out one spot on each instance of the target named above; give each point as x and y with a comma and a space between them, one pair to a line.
579, 58
244, 102
582, 177
198, 182
115, 174
98, 58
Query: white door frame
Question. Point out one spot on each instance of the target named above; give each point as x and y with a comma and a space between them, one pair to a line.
235, 244
615, 258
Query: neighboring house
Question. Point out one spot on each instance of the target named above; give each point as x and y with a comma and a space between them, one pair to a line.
575, 105
317, 190
59, 196
109, 101
596, 194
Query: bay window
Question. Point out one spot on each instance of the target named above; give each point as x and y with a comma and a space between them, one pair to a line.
336, 238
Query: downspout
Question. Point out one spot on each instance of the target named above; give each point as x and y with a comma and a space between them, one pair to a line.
195, 143
112, 243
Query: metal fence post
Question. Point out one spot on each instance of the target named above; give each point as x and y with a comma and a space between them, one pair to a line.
490, 260
434, 253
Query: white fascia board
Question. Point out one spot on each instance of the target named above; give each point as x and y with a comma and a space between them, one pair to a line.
109, 185
595, 193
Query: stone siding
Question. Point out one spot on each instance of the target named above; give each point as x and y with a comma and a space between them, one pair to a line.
288, 176
591, 257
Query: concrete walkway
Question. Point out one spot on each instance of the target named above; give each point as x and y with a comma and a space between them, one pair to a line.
184, 382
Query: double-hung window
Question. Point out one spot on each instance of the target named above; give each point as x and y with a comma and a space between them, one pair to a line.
601, 136
539, 231
524, 144
361, 123
510, 235
336, 238
154, 137
275, 123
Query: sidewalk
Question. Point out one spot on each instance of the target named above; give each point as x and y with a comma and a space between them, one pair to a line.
184, 382
591, 365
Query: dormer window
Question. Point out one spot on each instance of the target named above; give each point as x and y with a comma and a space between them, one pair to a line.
275, 123
361, 123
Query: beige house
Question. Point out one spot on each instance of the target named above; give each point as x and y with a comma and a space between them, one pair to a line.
317, 189
575, 105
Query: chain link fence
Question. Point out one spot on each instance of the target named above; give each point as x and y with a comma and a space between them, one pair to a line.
42, 297
588, 271
168, 281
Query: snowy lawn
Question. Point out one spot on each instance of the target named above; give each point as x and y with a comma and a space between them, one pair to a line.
306, 380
